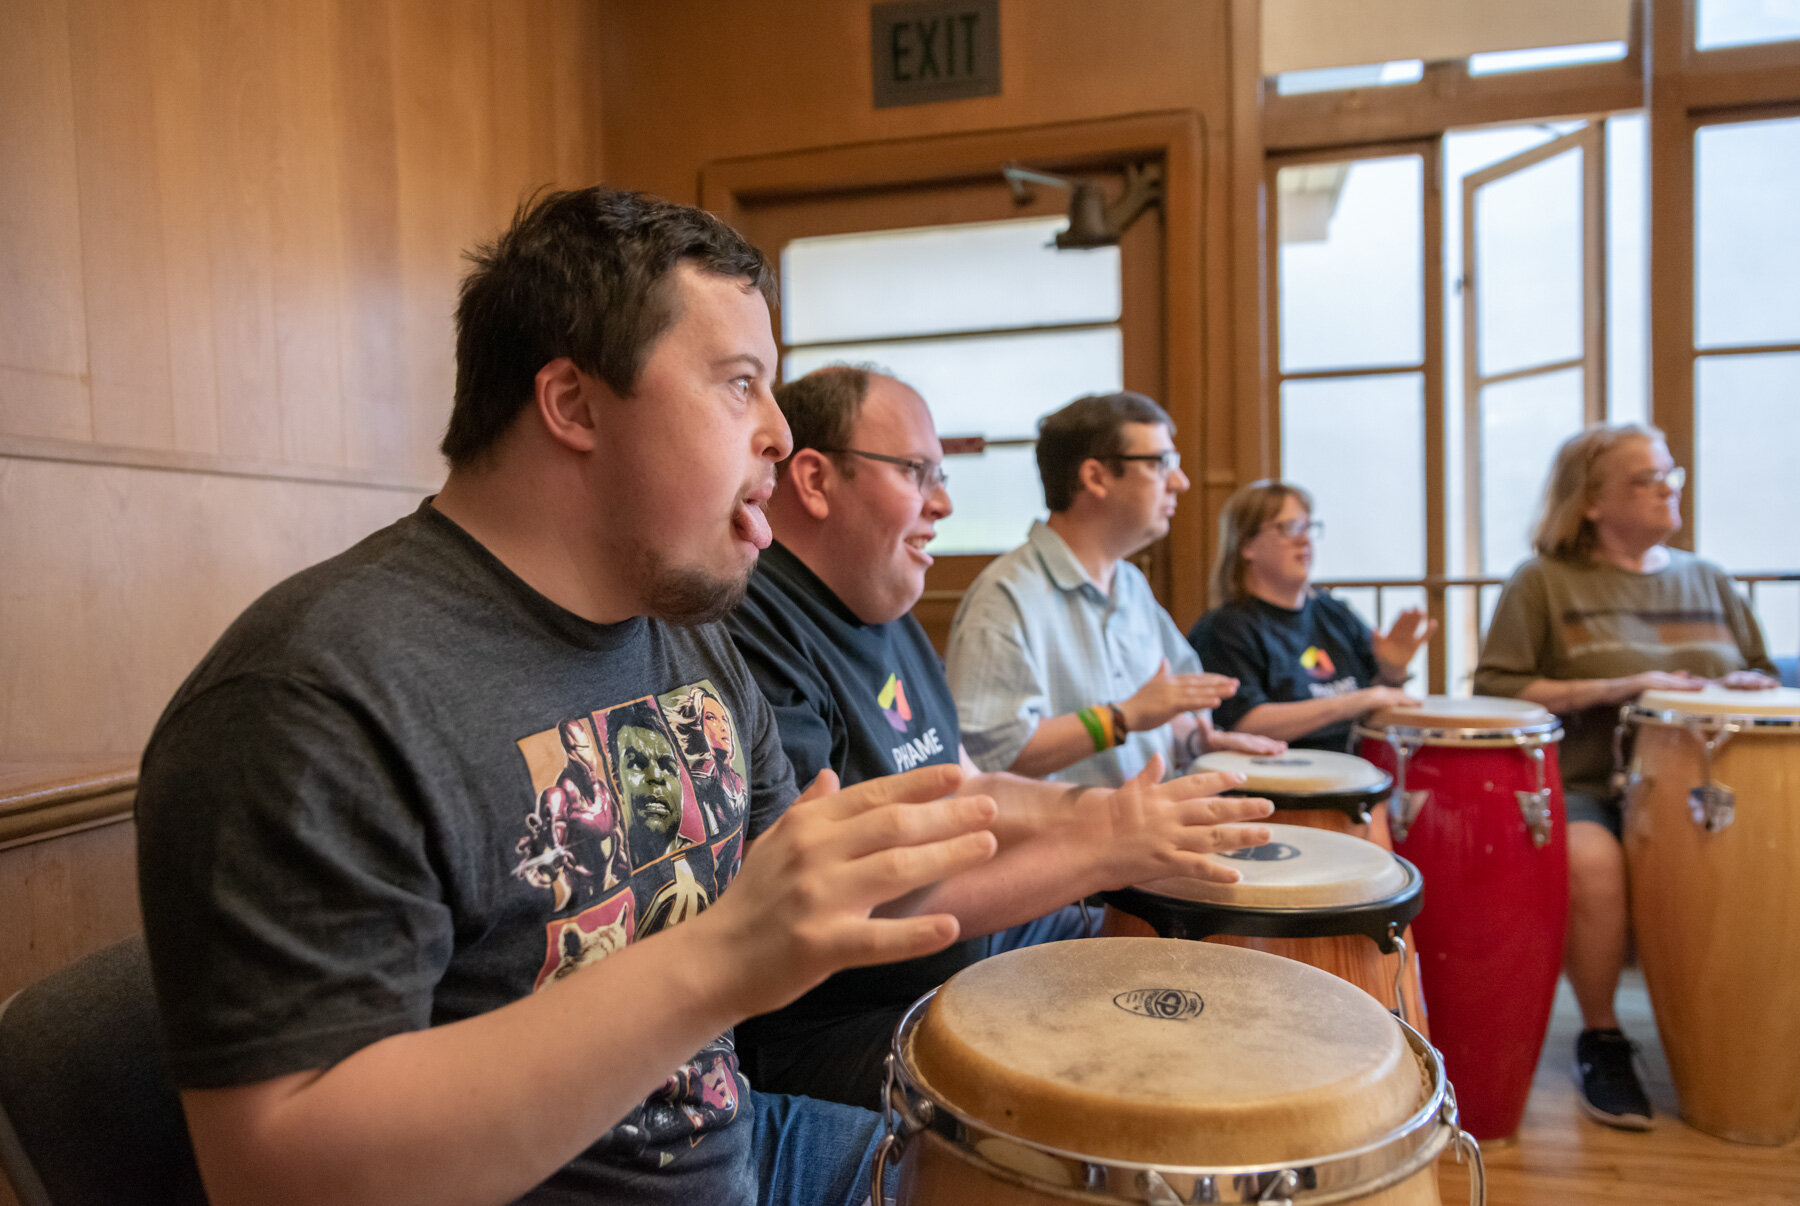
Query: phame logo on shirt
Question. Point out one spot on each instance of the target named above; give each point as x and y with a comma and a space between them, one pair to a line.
892, 699
918, 751
1317, 662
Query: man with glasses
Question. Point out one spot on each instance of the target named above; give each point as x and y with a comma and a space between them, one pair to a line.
1061, 660
1307, 666
857, 690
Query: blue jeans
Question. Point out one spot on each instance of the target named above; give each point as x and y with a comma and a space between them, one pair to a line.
812, 1153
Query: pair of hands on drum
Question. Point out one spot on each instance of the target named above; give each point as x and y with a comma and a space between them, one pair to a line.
1681, 680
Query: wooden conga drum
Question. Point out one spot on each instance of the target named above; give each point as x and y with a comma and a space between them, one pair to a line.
1320, 788
1712, 844
1478, 808
1117, 1070
1336, 902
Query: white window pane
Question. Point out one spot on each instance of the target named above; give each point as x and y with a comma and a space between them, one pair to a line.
1497, 62
1747, 411
1746, 193
1628, 263
1522, 424
1744, 22
1335, 79
1528, 265
1352, 266
931, 280
997, 493
1358, 444
996, 385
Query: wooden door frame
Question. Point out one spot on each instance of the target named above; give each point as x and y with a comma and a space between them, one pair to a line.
731, 188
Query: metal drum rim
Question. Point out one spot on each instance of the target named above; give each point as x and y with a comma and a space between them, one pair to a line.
1345, 1176
1520, 736
1737, 721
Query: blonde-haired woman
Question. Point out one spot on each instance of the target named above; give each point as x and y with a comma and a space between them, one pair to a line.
1306, 666
1605, 611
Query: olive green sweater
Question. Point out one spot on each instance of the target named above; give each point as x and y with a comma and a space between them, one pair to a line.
1564, 621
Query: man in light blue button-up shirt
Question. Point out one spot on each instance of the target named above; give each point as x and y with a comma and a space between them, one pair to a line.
1061, 660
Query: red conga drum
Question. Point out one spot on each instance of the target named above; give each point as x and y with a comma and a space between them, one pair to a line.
1478, 808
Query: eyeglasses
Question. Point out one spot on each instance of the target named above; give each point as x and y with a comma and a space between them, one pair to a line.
1165, 462
1294, 529
928, 476
1674, 478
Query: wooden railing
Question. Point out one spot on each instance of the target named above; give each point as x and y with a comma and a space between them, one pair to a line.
1438, 594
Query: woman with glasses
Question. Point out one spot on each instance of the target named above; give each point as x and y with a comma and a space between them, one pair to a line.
1605, 611
1306, 666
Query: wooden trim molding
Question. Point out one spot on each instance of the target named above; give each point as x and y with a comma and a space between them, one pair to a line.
48, 798
80, 452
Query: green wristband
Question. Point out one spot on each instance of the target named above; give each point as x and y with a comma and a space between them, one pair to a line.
1090, 720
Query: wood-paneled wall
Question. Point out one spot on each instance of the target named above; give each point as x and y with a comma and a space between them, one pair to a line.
230, 238
689, 83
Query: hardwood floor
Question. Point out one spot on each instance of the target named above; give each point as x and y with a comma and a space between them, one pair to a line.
1562, 1157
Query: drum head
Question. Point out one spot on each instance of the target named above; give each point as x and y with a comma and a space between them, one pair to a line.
1156, 1051
1483, 713
1298, 772
1299, 868
1714, 700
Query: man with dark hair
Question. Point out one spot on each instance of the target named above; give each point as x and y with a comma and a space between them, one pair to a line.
1061, 660
365, 998
858, 690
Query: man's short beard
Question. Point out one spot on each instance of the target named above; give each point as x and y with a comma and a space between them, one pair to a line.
685, 596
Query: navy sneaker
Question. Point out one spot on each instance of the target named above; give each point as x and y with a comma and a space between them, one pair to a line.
1610, 1090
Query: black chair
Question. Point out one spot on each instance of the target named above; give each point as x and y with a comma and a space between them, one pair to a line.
87, 1113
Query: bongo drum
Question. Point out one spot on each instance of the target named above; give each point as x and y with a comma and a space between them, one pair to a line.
1319, 788
1712, 840
1478, 807
1334, 901
1137, 1070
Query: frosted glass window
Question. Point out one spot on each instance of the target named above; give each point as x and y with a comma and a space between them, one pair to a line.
1335, 79
996, 386
996, 493
1746, 196
1522, 423
1352, 263
1745, 22
1358, 444
934, 280
1628, 268
1497, 62
1747, 412
1528, 265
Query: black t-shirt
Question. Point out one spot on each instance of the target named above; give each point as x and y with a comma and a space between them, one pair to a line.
1283, 656
405, 789
866, 700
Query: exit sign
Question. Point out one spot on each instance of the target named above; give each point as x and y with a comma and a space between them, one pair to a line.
933, 50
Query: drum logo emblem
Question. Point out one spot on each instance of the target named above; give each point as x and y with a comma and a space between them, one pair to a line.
1168, 1004
1268, 852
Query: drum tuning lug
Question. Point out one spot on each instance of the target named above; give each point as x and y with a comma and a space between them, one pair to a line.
1713, 806
1409, 805
1156, 1191
1277, 1187
1468, 1151
1535, 807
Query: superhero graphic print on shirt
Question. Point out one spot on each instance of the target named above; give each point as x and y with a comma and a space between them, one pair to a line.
635, 824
